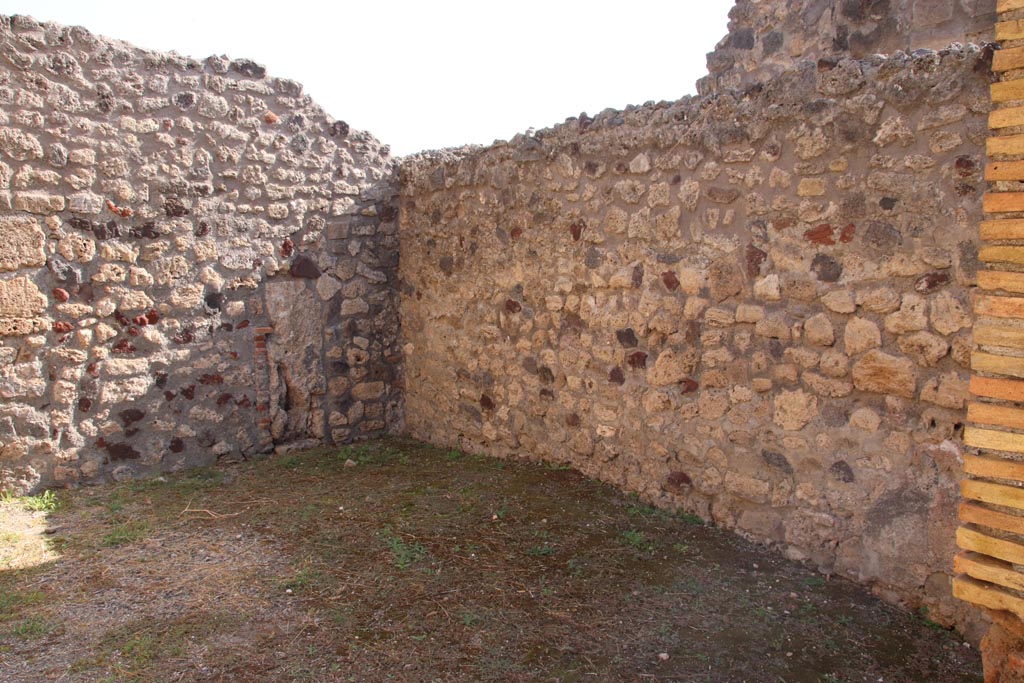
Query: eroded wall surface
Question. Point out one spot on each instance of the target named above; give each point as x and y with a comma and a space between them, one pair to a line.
765, 38
197, 262
751, 305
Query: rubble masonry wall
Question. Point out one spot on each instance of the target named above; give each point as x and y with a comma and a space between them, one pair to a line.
196, 263
752, 305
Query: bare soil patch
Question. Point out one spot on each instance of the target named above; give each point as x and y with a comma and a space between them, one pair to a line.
421, 565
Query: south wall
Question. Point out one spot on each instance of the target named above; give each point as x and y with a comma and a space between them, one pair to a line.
197, 263
751, 305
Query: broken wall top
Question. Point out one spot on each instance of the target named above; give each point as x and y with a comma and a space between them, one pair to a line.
765, 38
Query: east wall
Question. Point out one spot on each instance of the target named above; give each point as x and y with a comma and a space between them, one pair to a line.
751, 305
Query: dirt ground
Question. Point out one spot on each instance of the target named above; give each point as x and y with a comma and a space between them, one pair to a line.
397, 561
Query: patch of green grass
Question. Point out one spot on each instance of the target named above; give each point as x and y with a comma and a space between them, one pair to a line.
142, 648
641, 510
125, 532
922, 614
85, 664
469, 618
57, 544
814, 582
453, 454
143, 485
114, 502
468, 549
199, 480
146, 644
31, 628
404, 554
302, 579
542, 550
340, 616
289, 462
12, 602
807, 609
47, 501
637, 540
690, 518
372, 453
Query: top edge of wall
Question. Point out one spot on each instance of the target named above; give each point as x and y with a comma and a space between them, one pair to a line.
767, 40
23, 34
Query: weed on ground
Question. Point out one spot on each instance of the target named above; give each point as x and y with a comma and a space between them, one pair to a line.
396, 561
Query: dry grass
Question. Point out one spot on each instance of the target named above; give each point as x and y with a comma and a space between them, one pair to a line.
423, 565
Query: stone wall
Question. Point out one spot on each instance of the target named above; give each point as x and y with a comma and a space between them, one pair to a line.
751, 305
197, 263
765, 38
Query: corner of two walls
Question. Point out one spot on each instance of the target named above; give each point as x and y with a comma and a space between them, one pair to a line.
752, 305
197, 263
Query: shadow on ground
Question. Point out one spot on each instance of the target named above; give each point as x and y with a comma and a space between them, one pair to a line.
397, 561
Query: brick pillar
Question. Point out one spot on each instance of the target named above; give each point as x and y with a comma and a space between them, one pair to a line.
991, 535
1002, 649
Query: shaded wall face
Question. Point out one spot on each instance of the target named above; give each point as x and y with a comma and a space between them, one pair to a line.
753, 306
196, 262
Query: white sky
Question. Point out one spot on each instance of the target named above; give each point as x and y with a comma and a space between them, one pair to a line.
433, 73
